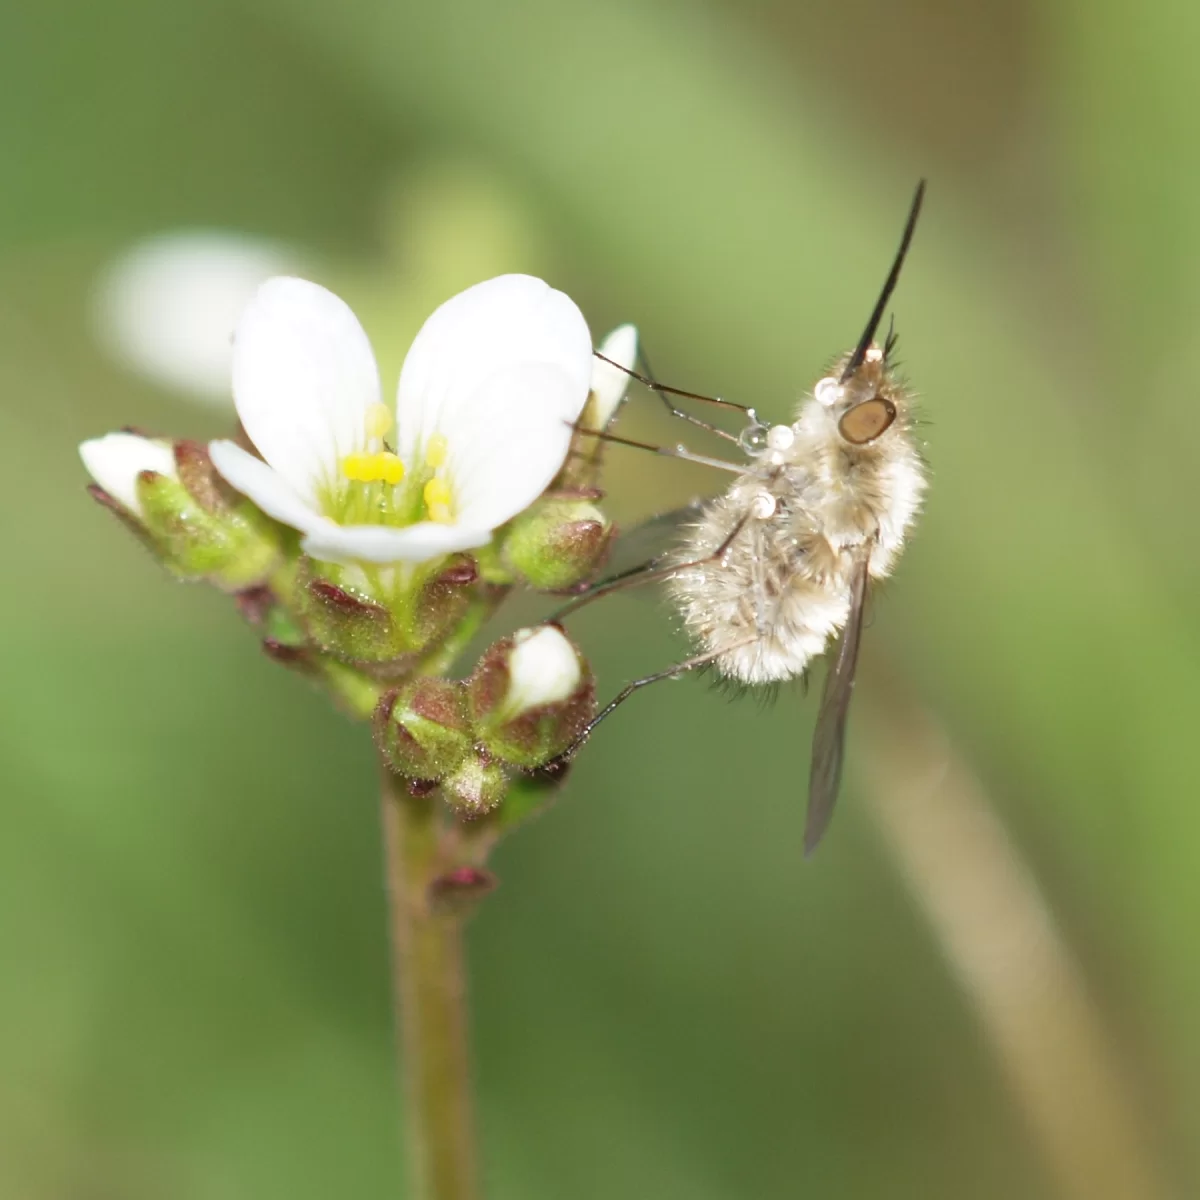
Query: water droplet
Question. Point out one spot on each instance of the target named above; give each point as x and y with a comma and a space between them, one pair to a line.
753, 439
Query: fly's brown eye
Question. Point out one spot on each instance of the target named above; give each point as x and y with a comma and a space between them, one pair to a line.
866, 421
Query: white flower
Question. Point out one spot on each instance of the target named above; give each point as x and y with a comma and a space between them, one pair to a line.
482, 423
609, 384
116, 460
543, 668
167, 308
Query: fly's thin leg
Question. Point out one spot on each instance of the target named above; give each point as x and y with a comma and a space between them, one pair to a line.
647, 572
662, 392
668, 451
688, 664
664, 395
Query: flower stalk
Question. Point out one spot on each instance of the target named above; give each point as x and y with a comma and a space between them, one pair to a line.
430, 995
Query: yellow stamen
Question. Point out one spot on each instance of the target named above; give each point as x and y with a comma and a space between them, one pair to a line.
357, 467
378, 420
389, 468
437, 491
437, 497
435, 452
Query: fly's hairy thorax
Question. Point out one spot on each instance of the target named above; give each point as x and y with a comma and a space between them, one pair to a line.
770, 603
860, 495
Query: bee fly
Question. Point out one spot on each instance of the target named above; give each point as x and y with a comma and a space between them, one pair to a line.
770, 570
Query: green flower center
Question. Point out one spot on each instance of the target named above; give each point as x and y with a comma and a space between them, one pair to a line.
373, 487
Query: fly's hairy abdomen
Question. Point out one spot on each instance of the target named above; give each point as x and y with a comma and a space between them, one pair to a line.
769, 605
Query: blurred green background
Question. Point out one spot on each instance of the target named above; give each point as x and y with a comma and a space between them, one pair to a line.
986, 984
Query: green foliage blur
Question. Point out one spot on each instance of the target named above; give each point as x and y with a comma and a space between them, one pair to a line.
669, 1002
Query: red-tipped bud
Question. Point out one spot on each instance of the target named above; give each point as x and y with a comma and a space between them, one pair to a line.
424, 728
557, 543
172, 497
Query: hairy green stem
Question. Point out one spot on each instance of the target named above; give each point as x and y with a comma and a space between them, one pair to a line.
427, 961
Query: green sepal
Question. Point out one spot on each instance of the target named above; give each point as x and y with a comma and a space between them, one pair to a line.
383, 618
232, 547
344, 620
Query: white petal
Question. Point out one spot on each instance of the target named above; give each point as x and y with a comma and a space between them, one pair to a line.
385, 544
609, 384
508, 442
486, 332
167, 308
116, 460
265, 486
543, 669
303, 378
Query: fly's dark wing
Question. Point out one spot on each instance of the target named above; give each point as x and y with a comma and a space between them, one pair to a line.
652, 538
829, 740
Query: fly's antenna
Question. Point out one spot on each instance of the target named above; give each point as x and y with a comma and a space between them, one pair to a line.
889, 286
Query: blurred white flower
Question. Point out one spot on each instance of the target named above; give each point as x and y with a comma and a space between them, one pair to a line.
116, 460
488, 393
168, 307
609, 383
543, 668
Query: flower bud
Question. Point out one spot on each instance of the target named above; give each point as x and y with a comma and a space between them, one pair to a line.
610, 383
171, 496
117, 461
476, 787
424, 729
557, 543
531, 696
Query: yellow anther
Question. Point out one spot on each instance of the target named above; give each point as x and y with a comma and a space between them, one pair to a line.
357, 467
389, 468
437, 494
435, 452
378, 420
441, 514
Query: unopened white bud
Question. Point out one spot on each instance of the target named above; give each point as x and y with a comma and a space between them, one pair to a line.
531, 697
116, 460
543, 669
609, 383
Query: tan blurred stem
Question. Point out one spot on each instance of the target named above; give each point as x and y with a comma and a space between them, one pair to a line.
430, 993
1001, 942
